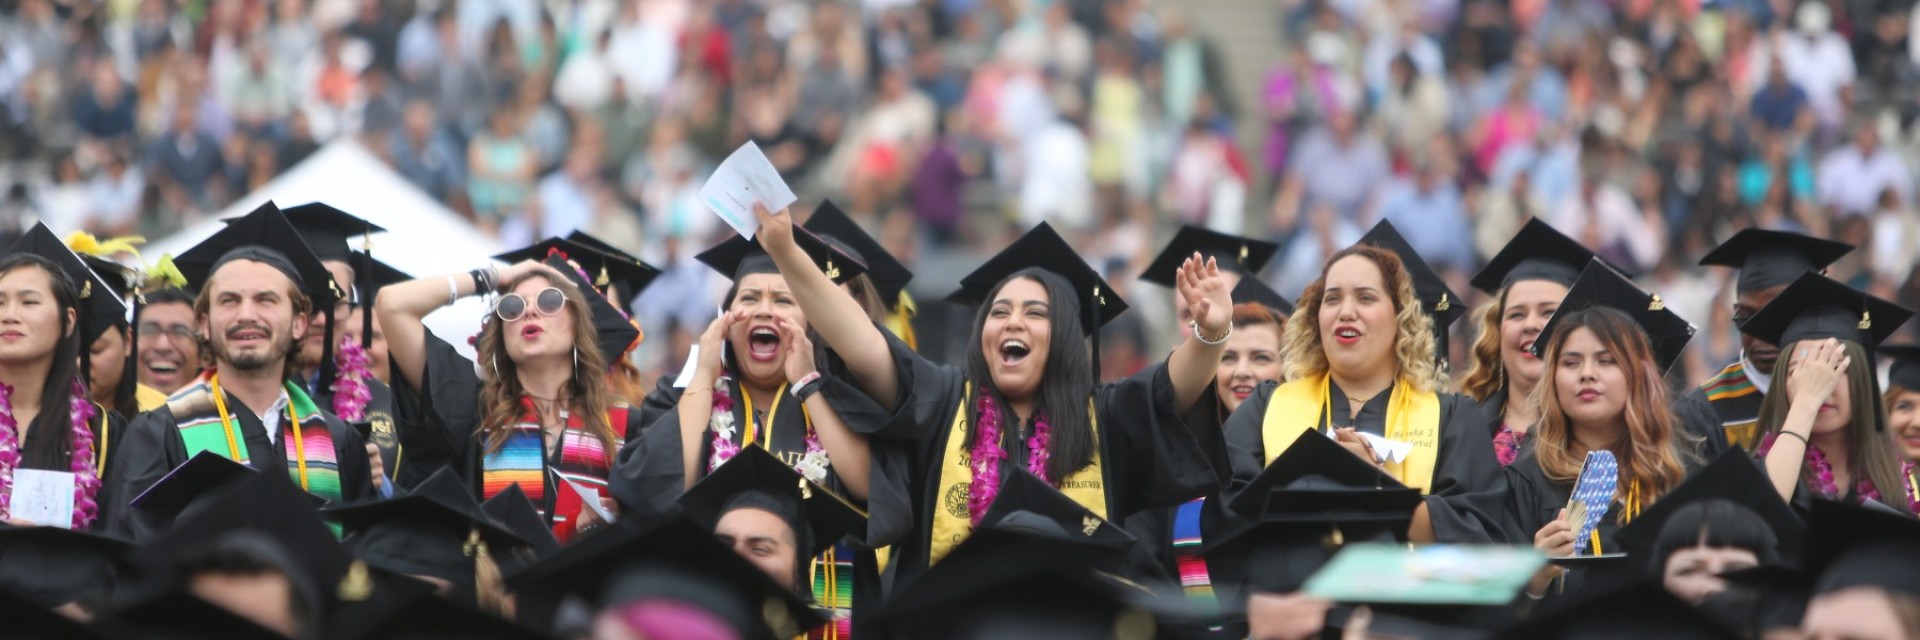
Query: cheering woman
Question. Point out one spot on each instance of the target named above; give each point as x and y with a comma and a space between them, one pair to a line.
1527, 279
542, 418
1826, 436
1026, 396
1903, 413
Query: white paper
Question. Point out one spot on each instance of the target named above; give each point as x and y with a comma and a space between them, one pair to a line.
1384, 450
744, 178
592, 500
43, 497
687, 370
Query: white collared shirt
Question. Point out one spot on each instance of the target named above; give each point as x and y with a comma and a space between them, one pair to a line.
1760, 380
271, 419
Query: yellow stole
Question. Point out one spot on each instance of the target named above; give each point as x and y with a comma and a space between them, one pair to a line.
953, 519
1412, 416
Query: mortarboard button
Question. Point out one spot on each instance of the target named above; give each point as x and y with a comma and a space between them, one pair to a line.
1600, 286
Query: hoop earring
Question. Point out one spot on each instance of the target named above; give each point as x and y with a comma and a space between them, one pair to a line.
576, 359
495, 361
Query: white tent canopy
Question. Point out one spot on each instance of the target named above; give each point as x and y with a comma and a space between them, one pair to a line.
424, 238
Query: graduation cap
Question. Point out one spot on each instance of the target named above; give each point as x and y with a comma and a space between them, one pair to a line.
604, 267
1769, 258
754, 478
430, 530
1639, 610
200, 477
263, 236
1537, 252
1043, 248
615, 332
513, 510
1436, 298
29, 620
1858, 546
737, 257
265, 505
1905, 371
1732, 477
1763, 597
179, 615
1816, 307
1021, 492
326, 230
1251, 289
425, 616
676, 562
100, 307
889, 276
51, 566
1245, 256
1600, 286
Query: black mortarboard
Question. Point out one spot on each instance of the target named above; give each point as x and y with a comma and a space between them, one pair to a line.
171, 495
1905, 370
738, 257
1043, 248
1537, 252
678, 561
1769, 259
513, 510
374, 275
1023, 492
826, 516
326, 230
51, 566
1025, 578
889, 276
178, 615
1640, 610
1251, 289
615, 331
1816, 306
423, 531
1600, 286
1859, 546
1763, 597
629, 281
1733, 477
604, 268
1436, 298
267, 505
117, 277
424, 616
266, 237
28, 620
100, 307
1233, 253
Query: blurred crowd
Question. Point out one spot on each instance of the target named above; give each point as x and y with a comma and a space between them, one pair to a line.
1648, 129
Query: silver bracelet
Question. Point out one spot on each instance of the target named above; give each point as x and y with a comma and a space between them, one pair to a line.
453, 291
1195, 325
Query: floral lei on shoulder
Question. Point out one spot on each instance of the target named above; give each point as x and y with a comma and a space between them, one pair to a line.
813, 465
86, 484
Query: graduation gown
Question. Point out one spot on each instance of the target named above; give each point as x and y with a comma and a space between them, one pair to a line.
1464, 499
152, 447
437, 424
1534, 500
1735, 398
1148, 458
377, 427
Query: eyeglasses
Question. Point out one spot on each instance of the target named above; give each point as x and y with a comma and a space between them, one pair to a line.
513, 306
176, 331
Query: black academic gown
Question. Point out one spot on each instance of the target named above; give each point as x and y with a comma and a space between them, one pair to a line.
377, 427
152, 447
1535, 500
437, 423
1154, 527
1149, 459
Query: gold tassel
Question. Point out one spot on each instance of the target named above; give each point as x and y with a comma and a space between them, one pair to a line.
1656, 304
1866, 321
357, 586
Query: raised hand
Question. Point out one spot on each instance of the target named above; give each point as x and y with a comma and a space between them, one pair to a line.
713, 346
1206, 294
799, 360
1814, 369
776, 228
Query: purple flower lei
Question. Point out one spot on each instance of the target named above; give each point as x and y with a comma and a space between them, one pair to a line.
1823, 482
86, 484
350, 392
987, 454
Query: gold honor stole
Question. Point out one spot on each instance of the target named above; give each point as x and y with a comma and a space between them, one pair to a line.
1412, 416
953, 519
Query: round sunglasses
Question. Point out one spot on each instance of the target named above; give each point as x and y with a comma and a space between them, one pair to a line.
513, 306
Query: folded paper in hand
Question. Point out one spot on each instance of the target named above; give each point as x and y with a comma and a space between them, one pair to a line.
744, 178
1384, 450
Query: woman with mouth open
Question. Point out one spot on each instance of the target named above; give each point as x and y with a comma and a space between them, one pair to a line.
1903, 412
1606, 352
542, 418
1026, 398
1827, 437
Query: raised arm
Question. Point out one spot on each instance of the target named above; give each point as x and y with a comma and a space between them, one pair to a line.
1812, 373
402, 307
847, 452
696, 401
835, 315
1192, 365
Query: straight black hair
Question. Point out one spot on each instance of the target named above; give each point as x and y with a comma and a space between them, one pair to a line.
1716, 523
49, 445
1066, 380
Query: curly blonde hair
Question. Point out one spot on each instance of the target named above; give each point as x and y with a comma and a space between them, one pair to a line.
1413, 344
1486, 372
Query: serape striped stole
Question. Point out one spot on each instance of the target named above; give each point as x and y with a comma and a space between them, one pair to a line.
523, 461
202, 428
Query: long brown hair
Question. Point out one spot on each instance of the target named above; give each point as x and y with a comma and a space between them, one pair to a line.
1413, 342
1486, 372
1649, 453
586, 392
1873, 456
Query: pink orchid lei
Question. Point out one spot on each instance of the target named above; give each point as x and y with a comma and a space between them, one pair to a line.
987, 454
1823, 483
350, 392
86, 484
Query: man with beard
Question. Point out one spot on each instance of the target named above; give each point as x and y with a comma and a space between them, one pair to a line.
170, 355
257, 284
1768, 261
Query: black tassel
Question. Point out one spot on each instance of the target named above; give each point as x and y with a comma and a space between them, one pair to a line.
327, 369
